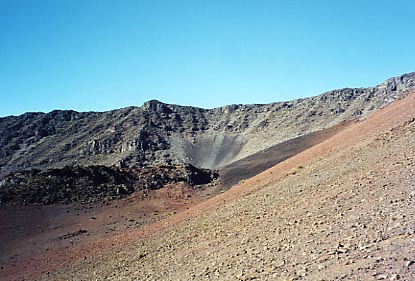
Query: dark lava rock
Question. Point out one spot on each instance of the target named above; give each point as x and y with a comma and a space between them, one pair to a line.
77, 184
73, 234
155, 177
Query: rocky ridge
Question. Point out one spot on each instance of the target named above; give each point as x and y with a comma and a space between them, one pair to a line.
159, 133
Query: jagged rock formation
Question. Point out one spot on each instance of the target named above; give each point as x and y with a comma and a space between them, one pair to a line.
159, 133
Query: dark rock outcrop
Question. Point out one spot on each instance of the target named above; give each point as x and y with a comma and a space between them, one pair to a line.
76, 184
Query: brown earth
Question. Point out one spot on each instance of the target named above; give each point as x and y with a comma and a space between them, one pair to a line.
342, 209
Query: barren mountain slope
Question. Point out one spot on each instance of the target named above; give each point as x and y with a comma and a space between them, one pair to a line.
161, 133
342, 209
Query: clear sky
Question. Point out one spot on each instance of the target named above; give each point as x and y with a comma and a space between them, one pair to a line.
100, 55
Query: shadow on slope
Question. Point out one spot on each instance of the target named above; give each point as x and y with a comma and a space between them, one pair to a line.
252, 165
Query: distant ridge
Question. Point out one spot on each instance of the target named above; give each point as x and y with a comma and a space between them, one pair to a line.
157, 133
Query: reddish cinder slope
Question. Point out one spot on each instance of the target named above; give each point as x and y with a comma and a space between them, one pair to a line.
342, 209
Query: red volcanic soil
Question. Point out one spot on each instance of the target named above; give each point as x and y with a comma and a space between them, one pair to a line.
341, 209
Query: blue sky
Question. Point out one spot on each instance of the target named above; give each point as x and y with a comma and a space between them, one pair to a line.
101, 55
